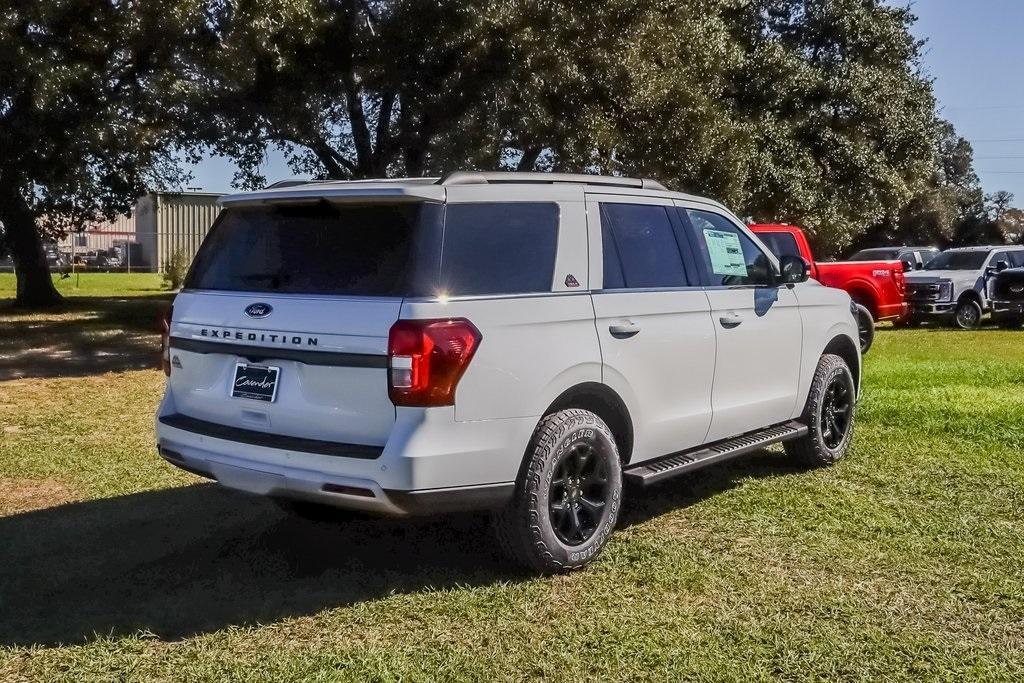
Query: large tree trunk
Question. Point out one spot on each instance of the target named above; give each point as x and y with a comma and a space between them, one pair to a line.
35, 286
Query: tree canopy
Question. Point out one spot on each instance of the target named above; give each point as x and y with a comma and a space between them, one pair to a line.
813, 112
91, 96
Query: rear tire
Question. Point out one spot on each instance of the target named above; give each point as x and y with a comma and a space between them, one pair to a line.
568, 495
967, 315
829, 415
865, 328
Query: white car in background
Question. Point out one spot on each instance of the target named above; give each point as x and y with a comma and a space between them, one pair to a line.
521, 343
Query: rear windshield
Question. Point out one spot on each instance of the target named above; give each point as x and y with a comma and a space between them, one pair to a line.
407, 249
310, 249
875, 255
780, 243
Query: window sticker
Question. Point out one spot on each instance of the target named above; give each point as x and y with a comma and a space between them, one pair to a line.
726, 253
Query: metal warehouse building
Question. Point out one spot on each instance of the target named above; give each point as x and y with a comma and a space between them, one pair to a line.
161, 224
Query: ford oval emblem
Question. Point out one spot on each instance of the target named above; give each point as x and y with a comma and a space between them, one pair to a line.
258, 310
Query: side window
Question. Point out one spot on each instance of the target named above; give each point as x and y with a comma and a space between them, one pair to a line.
640, 247
780, 243
1017, 259
997, 257
499, 248
730, 257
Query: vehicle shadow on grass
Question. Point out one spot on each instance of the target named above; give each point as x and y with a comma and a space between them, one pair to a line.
196, 559
85, 336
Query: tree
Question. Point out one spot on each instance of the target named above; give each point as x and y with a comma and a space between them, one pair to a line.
90, 97
950, 199
811, 111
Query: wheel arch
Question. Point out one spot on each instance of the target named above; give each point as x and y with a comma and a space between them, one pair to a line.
972, 295
863, 294
844, 347
604, 402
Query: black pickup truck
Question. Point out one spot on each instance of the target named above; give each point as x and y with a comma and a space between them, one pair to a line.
1006, 292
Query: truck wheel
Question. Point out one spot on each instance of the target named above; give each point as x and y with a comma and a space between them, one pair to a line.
568, 495
967, 315
829, 415
865, 328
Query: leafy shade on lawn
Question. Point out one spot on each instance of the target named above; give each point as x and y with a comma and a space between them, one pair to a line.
84, 336
94, 284
903, 562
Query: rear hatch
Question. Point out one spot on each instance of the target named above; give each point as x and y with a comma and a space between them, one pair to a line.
282, 326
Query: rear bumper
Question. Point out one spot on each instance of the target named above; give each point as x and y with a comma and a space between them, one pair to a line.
344, 492
893, 311
430, 464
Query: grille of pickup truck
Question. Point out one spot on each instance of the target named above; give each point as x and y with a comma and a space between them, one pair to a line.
922, 291
1008, 287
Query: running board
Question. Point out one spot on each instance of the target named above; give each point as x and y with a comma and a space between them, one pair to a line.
651, 472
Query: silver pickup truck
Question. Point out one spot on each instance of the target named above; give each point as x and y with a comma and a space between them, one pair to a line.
954, 285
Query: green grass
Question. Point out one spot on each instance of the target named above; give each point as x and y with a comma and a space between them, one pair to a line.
95, 284
902, 562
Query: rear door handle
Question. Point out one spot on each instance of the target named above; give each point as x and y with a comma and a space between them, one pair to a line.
623, 330
731, 320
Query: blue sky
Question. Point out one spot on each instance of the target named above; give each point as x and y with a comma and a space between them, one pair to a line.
975, 54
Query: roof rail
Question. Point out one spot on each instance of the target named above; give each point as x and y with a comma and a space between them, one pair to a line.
485, 177
291, 182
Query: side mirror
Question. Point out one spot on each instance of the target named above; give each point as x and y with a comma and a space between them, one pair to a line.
1001, 266
919, 265
793, 269
908, 265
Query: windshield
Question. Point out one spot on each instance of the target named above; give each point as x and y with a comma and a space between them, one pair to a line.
875, 255
310, 249
957, 260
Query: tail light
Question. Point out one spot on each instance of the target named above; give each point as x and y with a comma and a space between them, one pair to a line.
901, 282
165, 341
426, 360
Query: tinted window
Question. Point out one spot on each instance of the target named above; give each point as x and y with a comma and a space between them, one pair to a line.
957, 260
640, 247
875, 255
506, 248
730, 257
1017, 259
311, 249
997, 257
780, 243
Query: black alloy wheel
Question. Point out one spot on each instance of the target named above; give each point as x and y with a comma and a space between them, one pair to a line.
578, 494
836, 411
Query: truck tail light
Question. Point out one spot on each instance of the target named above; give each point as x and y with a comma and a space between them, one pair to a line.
426, 359
901, 281
165, 341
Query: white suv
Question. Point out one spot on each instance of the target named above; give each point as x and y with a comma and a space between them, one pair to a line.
522, 343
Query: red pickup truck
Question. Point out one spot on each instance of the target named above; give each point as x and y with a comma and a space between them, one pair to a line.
877, 286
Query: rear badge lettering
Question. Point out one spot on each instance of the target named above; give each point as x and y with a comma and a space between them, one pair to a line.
263, 337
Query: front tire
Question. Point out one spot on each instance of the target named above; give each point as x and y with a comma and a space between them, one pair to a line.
967, 315
568, 495
829, 415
